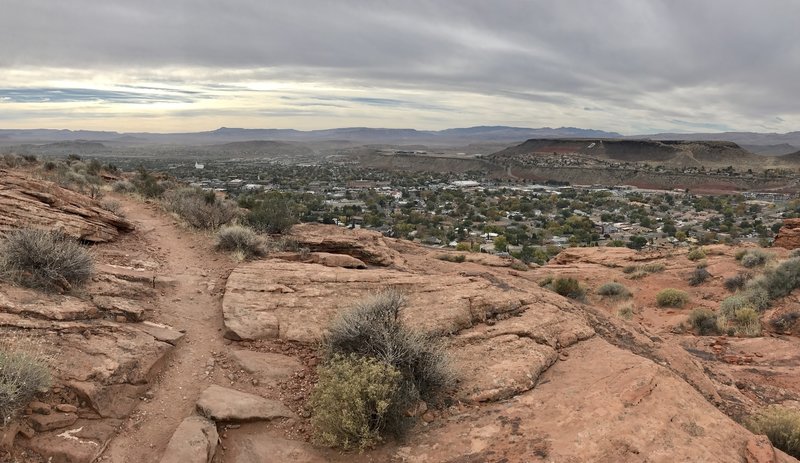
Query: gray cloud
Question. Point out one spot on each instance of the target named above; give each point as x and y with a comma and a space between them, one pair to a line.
661, 63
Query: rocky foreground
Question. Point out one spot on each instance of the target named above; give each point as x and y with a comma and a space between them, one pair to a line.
542, 377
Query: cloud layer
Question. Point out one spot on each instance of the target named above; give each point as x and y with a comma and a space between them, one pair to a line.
631, 66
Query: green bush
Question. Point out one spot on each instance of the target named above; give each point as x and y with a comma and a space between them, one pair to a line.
781, 280
24, 372
123, 186
671, 297
43, 259
568, 287
147, 185
235, 238
705, 322
654, 267
747, 322
201, 209
757, 296
754, 258
272, 214
353, 401
373, 329
781, 425
785, 321
613, 289
696, 254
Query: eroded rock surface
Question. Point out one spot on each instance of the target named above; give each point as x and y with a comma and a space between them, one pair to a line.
195, 441
29, 202
225, 404
789, 235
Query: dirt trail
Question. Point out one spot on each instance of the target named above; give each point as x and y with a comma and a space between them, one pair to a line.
192, 305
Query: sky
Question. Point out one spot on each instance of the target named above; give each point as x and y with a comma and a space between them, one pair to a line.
630, 66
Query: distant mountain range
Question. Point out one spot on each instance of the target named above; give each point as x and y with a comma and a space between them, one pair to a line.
760, 143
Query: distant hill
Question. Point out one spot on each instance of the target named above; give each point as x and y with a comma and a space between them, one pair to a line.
668, 152
771, 150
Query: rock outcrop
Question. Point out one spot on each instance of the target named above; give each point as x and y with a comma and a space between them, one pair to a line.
29, 202
543, 378
195, 441
789, 235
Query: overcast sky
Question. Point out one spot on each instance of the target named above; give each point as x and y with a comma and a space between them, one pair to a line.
632, 66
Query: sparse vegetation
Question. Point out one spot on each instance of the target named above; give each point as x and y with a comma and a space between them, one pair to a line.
568, 287
625, 311
201, 209
354, 401
636, 272
671, 297
123, 186
239, 239
781, 425
705, 322
731, 304
785, 321
43, 259
24, 372
774, 283
736, 282
699, 276
613, 289
147, 184
456, 258
754, 258
696, 254
747, 322
653, 267
372, 329
273, 214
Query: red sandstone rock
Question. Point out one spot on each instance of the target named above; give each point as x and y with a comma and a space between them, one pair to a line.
789, 235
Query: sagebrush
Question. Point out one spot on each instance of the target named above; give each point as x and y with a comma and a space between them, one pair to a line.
671, 297
236, 238
201, 209
781, 425
24, 372
44, 259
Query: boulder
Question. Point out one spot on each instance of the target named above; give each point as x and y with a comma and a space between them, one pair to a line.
29, 202
788, 236
194, 441
51, 421
224, 404
367, 246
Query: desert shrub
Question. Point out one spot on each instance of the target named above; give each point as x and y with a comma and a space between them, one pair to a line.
201, 209
457, 258
112, 206
273, 214
235, 238
705, 322
24, 372
736, 282
147, 184
699, 276
785, 321
44, 259
372, 328
123, 186
740, 253
781, 425
757, 296
733, 303
630, 269
613, 289
795, 253
568, 287
702, 264
519, 266
353, 401
696, 254
781, 280
746, 321
637, 275
653, 267
625, 311
11, 160
671, 297
546, 281
754, 258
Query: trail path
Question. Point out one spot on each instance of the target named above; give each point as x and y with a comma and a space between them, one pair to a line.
193, 305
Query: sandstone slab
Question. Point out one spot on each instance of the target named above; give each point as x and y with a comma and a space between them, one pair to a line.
266, 448
194, 441
224, 404
266, 365
29, 202
336, 260
51, 421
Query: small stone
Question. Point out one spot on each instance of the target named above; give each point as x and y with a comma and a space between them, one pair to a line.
40, 408
120, 319
428, 417
66, 408
149, 394
42, 423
